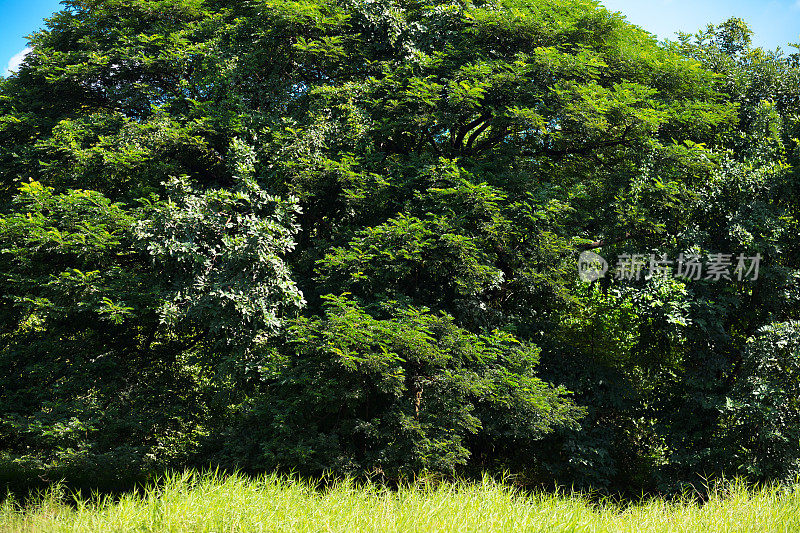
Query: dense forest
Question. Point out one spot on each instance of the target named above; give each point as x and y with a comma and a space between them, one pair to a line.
343, 237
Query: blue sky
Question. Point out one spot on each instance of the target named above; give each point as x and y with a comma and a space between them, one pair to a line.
19, 18
776, 22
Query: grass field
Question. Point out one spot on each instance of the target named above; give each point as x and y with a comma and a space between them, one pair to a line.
212, 503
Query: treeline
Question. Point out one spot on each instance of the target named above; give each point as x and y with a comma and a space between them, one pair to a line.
342, 236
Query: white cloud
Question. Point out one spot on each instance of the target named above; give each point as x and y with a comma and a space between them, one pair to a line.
16, 60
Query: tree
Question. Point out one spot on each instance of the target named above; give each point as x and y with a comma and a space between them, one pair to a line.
440, 164
762, 426
123, 329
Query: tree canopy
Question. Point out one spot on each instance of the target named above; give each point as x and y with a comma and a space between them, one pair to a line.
341, 235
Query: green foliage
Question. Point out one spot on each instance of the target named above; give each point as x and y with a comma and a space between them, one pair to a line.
218, 253
117, 322
763, 416
409, 393
86, 391
199, 180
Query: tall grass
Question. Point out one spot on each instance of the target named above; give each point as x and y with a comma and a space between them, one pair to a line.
192, 502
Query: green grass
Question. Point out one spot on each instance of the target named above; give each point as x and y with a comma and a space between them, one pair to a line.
213, 503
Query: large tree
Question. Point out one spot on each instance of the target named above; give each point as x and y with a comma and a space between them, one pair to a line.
343, 234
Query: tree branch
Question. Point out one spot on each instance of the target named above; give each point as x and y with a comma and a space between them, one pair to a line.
583, 150
475, 134
490, 140
608, 242
462, 132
